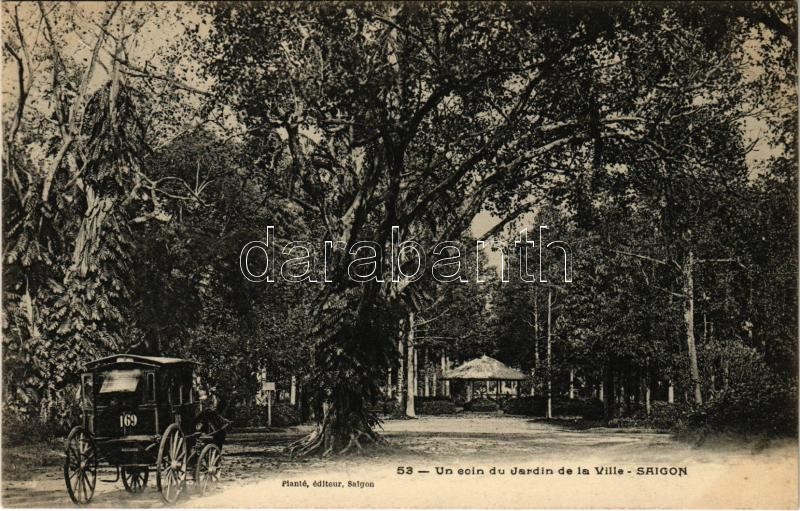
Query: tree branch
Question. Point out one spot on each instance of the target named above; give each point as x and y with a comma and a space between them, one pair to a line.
647, 258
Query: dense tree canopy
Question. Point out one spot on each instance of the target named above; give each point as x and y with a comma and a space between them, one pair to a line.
659, 141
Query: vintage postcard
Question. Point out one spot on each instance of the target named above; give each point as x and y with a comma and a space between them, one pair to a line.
400, 255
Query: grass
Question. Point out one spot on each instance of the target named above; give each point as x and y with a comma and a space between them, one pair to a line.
20, 462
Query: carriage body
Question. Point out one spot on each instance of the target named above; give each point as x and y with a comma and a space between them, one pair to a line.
128, 401
142, 412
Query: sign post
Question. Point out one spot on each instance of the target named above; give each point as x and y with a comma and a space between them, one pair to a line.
269, 388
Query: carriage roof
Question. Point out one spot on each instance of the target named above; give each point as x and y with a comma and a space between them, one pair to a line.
139, 360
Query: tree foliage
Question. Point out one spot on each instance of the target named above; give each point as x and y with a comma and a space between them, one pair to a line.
660, 140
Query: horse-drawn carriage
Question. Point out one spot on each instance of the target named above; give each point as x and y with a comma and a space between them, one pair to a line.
141, 413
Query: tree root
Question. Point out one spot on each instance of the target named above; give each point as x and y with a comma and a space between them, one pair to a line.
306, 445
316, 443
353, 442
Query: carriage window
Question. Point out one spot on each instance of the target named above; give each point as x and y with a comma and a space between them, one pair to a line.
120, 380
180, 395
150, 388
87, 389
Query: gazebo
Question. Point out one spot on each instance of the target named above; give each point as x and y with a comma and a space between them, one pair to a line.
488, 370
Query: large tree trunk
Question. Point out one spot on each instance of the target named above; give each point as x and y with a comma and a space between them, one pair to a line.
401, 371
535, 338
626, 389
535, 328
411, 365
688, 315
572, 383
425, 374
609, 392
344, 413
444, 374
337, 432
549, 356
445, 368
434, 378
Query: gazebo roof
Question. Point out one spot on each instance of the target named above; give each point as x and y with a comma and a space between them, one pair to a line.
484, 368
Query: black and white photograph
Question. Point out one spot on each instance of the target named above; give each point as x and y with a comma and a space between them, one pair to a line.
493, 255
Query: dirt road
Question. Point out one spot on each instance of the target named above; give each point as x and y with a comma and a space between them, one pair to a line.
257, 473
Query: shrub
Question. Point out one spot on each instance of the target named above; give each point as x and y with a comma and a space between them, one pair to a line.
536, 406
665, 415
637, 416
435, 407
530, 406
378, 407
430, 399
593, 409
629, 422
392, 407
431, 405
481, 405
245, 415
58, 412
589, 409
753, 400
21, 428
283, 415
749, 407
386, 407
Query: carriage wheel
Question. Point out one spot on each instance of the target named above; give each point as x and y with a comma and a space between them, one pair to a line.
171, 464
80, 465
135, 478
209, 466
